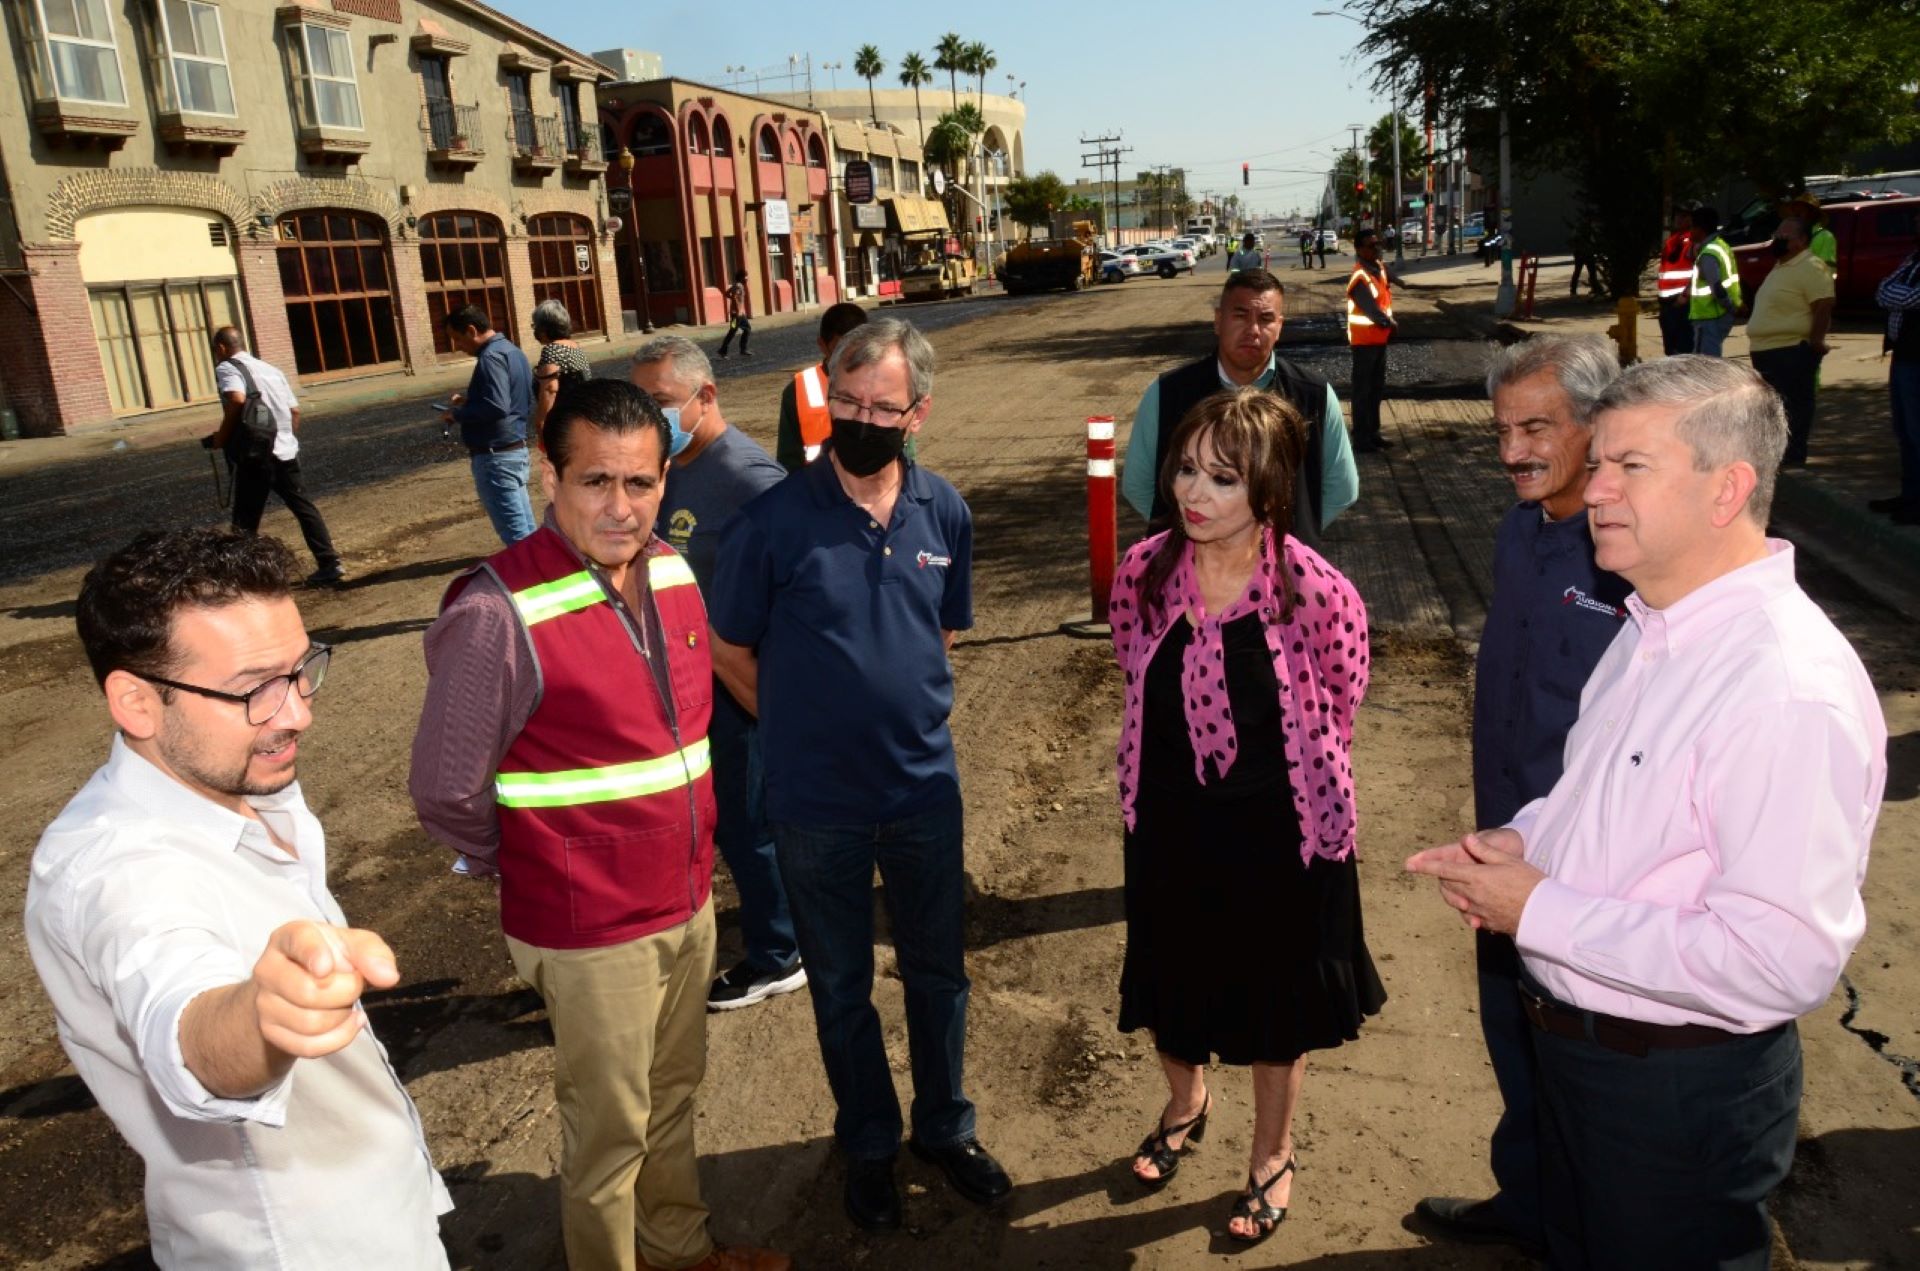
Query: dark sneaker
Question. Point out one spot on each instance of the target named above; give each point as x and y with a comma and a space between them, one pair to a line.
1475, 1222
970, 1168
331, 576
746, 984
872, 1197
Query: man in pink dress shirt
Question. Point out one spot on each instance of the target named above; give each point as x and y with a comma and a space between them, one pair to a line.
1692, 884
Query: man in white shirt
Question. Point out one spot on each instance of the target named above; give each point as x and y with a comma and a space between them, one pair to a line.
1248, 257
258, 468
205, 984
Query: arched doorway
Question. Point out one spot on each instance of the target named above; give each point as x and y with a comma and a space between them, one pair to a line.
463, 261
338, 285
566, 267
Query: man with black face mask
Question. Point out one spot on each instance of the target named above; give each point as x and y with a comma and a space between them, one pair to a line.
836, 600
1788, 331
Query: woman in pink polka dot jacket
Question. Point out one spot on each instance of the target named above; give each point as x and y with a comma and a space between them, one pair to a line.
1245, 656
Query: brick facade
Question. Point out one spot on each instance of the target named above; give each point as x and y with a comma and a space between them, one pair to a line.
48, 358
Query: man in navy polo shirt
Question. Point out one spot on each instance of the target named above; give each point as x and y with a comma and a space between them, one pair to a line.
835, 602
1552, 614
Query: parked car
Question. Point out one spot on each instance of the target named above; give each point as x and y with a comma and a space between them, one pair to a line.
1165, 261
1872, 237
1413, 232
1115, 267
1330, 240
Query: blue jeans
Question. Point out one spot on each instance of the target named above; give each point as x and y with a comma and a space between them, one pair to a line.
829, 875
501, 482
1903, 385
1710, 334
744, 838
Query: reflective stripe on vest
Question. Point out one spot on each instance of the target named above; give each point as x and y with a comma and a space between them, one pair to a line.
1360, 328
602, 785
577, 591
1703, 305
810, 402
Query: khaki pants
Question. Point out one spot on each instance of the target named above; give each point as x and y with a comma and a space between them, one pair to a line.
630, 1046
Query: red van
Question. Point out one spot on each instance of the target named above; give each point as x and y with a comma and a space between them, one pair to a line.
1873, 237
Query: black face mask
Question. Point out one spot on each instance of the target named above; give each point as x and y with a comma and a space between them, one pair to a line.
863, 449
1779, 246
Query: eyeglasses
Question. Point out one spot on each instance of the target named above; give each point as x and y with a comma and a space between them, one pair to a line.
263, 701
877, 413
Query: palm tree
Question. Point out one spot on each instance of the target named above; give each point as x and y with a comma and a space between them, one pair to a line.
953, 138
950, 55
867, 64
913, 73
980, 60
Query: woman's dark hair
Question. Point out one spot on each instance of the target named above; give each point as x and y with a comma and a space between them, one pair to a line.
128, 601
612, 406
1258, 434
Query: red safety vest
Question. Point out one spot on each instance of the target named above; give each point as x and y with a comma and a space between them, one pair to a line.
1676, 265
810, 401
605, 798
1360, 328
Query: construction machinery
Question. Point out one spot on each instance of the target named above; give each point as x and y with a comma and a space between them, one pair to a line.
939, 268
1048, 264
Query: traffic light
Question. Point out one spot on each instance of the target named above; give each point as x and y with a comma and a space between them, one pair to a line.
1360, 188
1243, 174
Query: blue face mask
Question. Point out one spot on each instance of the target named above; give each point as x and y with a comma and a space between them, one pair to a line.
681, 437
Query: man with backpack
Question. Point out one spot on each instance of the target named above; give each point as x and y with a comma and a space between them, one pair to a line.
257, 435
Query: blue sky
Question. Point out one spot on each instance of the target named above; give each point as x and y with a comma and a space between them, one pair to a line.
1277, 88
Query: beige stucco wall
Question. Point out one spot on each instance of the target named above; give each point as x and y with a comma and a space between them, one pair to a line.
151, 243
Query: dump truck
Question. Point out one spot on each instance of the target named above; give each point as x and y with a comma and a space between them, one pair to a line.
939, 269
1048, 264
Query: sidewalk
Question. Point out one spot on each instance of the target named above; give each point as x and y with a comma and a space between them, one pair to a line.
1853, 454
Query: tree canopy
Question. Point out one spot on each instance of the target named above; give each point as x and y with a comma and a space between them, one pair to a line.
1032, 200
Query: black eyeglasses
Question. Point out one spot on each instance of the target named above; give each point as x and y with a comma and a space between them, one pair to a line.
264, 700
884, 413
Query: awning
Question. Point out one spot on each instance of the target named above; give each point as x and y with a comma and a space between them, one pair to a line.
912, 214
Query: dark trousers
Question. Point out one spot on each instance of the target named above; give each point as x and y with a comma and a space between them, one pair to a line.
1509, 1037
1903, 387
1676, 328
1794, 373
740, 326
1369, 390
828, 871
252, 482
745, 839
1665, 1163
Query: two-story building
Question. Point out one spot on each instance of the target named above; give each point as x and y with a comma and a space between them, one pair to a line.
331, 178
876, 234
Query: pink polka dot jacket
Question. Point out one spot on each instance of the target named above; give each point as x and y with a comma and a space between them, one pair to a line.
1320, 658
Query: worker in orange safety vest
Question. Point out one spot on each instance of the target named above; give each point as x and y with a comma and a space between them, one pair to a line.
804, 422
1370, 325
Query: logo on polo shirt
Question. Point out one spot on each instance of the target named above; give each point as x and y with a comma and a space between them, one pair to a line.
1575, 596
680, 528
925, 559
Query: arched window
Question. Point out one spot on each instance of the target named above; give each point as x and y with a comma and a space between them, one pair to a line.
816, 152
696, 135
650, 136
463, 261
566, 267
769, 148
339, 290
722, 137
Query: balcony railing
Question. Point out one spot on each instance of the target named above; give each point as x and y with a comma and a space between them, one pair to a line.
451, 130
586, 153
538, 140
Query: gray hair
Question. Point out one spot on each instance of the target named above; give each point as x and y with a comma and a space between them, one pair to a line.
689, 365
550, 317
1728, 415
872, 341
1583, 366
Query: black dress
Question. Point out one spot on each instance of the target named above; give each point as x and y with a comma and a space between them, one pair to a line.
1234, 948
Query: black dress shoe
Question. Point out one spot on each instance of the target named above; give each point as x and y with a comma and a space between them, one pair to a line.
1474, 1221
971, 1170
873, 1200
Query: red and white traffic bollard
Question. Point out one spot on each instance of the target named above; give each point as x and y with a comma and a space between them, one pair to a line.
1102, 534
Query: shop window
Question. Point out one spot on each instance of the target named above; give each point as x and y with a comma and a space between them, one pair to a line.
196, 63
328, 91
558, 244
81, 51
156, 339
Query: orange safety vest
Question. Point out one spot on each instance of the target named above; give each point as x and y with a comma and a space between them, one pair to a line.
1676, 265
810, 401
1360, 328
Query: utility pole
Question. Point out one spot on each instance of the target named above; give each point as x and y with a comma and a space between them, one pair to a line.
1106, 150
1399, 244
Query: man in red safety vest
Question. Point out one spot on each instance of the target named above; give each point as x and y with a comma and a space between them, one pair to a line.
1676, 276
563, 745
1370, 325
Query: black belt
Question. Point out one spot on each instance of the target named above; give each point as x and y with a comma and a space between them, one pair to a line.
1626, 1036
502, 448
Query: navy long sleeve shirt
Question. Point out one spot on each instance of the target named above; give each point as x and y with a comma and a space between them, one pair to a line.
1553, 613
499, 396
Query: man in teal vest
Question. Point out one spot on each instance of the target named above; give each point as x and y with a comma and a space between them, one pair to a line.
1715, 293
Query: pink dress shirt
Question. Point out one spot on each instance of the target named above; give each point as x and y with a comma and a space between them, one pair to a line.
1705, 846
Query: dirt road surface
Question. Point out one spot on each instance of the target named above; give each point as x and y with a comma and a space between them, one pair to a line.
1063, 1097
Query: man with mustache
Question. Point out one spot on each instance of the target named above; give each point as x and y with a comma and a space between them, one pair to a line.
205, 983
1247, 320
1553, 613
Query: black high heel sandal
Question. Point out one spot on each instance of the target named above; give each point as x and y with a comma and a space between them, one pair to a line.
1157, 1151
1252, 1206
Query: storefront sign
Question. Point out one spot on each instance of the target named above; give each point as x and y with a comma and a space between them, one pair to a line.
870, 216
582, 258
619, 197
775, 217
939, 183
859, 181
